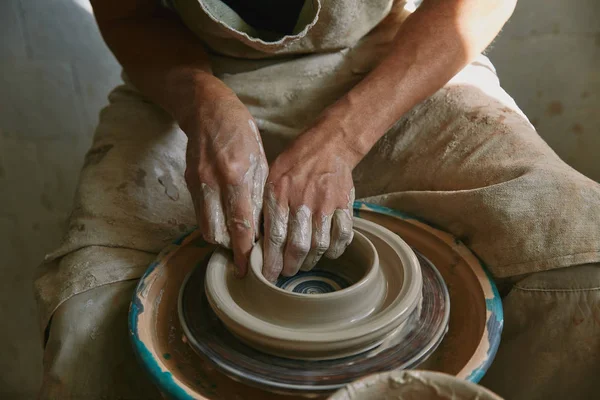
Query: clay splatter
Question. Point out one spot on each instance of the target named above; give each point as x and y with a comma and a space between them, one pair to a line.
94, 156
577, 129
139, 178
170, 188
554, 108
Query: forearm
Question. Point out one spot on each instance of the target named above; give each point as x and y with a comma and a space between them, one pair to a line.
431, 46
160, 56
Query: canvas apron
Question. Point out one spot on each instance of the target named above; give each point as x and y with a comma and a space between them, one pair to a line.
467, 160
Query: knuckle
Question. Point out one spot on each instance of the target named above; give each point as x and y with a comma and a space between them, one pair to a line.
238, 225
209, 236
277, 239
345, 234
194, 176
233, 171
334, 253
298, 248
278, 185
326, 197
191, 176
205, 175
321, 247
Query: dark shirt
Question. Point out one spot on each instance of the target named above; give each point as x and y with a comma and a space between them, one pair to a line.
277, 16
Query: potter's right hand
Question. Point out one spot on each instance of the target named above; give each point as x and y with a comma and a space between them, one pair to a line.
226, 172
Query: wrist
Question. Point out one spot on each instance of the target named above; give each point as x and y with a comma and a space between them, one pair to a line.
351, 136
200, 101
328, 139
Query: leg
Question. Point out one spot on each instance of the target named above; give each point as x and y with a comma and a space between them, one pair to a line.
88, 354
551, 338
131, 201
469, 161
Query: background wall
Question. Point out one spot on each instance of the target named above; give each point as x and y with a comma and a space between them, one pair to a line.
55, 73
548, 59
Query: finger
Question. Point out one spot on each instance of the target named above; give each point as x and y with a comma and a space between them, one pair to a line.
259, 178
198, 201
214, 230
276, 223
351, 198
257, 136
257, 186
320, 241
239, 225
341, 233
298, 242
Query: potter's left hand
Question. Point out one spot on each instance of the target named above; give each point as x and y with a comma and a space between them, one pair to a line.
307, 205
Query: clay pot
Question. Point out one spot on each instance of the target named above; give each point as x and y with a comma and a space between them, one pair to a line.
421, 385
383, 281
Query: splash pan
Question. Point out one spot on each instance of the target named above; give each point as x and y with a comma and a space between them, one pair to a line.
217, 365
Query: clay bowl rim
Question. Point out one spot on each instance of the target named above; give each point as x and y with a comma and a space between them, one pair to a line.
368, 385
400, 307
370, 275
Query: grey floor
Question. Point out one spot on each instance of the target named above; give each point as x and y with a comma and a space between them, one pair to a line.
55, 73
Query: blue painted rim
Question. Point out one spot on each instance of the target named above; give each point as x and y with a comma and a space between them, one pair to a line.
165, 381
494, 322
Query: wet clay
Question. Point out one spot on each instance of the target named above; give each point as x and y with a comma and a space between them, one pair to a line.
381, 270
407, 347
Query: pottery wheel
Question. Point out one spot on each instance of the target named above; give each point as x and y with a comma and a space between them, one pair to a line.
405, 348
180, 372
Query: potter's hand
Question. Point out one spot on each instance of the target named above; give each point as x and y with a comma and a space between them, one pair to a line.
307, 206
226, 172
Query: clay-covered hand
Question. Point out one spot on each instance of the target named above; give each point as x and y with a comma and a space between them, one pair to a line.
226, 173
307, 206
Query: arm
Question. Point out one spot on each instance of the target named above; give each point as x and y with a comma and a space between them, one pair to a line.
431, 46
226, 167
315, 172
161, 57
